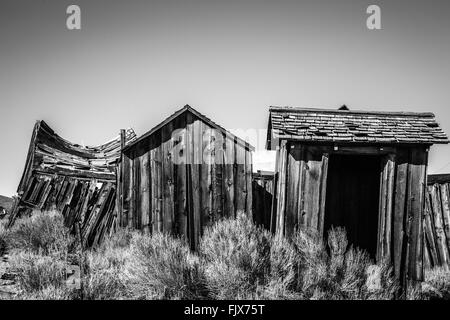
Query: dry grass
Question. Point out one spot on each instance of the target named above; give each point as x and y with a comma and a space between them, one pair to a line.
36, 271
48, 293
343, 274
283, 277
236, 260
243, 261
437, 284
38, 250
162, 267
236, 257
41, 232
104, 268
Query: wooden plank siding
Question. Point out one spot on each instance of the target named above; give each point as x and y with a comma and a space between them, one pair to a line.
229, 159
179, 157
248, 180
385, 207
414, 213
206, 189
195, 161
194, 176
282, 154
88, 202
292, 188
301, 188
168, 199
436, 224
399, 207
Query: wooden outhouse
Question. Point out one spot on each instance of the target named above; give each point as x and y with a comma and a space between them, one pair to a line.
183, 175
365, 171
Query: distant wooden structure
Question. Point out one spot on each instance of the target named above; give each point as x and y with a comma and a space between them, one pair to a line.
78, 181
365, 171
437, 221
183, 175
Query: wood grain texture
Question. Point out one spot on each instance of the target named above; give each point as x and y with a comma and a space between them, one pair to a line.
196, 171
429, 232
206, 173
145, 205
217, 175
248, 180
240, 190
292, 188
438, 225
312, 198
281, 203
229, 179
400, 198
323, 193
159, 210
417, 178
168, 212
444, 189
385, 208
181, 209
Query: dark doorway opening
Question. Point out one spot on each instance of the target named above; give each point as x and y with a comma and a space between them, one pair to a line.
352, 199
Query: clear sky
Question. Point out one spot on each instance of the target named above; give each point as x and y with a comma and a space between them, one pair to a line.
135, 62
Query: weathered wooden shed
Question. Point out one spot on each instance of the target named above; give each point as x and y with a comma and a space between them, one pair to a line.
183, 175
365, 171
78, 181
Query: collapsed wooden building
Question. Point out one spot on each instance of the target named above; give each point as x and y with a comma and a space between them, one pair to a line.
365, 171
183, 175
78, 181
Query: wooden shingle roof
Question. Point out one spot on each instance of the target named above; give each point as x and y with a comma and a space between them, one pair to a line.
347, 126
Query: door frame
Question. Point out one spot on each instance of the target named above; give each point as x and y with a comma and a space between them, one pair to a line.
386, 194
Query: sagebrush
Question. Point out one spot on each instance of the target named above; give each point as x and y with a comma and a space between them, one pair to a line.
41, 232
236, 260
161, 266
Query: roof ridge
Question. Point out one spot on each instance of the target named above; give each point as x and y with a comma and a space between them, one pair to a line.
196, 113
336, 111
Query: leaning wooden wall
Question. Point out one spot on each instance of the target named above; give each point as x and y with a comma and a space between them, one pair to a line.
301, 177
183, 178
87, 202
